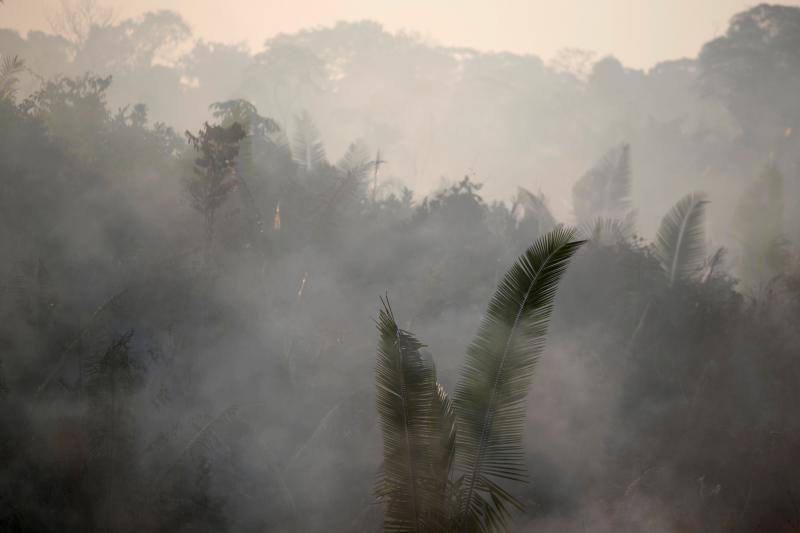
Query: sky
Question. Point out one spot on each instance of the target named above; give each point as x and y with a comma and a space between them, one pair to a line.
638, 32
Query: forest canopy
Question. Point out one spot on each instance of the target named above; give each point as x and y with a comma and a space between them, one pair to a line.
196, 238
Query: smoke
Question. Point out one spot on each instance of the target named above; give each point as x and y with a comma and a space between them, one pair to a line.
249, 351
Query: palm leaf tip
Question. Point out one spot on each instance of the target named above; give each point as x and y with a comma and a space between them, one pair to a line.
490, 397
413, 414
680, 241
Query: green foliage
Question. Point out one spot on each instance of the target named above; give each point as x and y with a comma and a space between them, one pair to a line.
96, 197
417, 427
491, 393
680, 242
214, 175
73, 109
488, 409
246, 114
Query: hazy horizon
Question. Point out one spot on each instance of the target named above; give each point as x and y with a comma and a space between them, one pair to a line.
639, 34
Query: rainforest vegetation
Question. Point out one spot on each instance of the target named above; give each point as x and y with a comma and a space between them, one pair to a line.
358, 281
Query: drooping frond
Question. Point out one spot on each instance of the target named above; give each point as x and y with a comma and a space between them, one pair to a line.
10, 69
605, 190
680, 241
412, 408
608, 231
490, 397
307, 149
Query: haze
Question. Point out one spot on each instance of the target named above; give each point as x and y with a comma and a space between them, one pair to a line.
638, 32
399, 266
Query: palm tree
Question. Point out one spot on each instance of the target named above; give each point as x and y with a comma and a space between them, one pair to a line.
680, 241
679, 246
446, 462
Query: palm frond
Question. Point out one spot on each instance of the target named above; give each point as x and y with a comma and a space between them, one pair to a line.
490, 397
608, 231
605, 190
710, 265
10, 69
355, 161
680, 241
307, 149
411, 407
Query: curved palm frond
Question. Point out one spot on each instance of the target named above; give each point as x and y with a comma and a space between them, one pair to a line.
608, 231
412, 410
605, 190
490, 397
680, 241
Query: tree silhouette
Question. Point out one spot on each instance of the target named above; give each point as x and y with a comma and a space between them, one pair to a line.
214, 171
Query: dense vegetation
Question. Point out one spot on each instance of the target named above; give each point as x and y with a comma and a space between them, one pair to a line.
187, 335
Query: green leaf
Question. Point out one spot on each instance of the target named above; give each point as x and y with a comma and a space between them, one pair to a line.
416, 420
491, 394
680, 241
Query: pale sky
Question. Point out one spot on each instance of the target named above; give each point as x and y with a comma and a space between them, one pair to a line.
639, 32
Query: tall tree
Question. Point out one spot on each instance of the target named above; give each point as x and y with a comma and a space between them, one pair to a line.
214, 171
